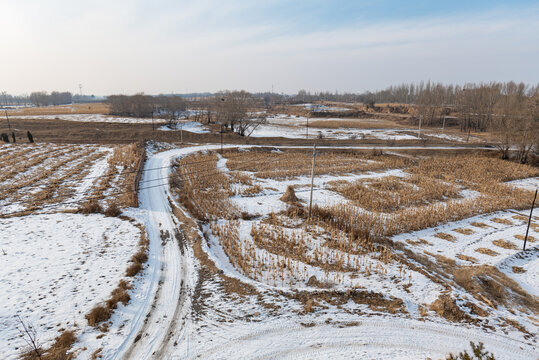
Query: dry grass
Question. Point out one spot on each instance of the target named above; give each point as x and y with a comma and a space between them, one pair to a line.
446, 236
467, 258
48, 174
289, 196
505, 244
464, 231
502, 221
58, 351
492, 287
419, 241
487, 251
389, 194
98, 314
266, 164
480, 225
202, 188
530, 239
344, 238
446, 307
91, 207
518, 270
95, 108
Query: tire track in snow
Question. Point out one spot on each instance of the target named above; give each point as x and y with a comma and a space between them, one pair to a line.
317, 342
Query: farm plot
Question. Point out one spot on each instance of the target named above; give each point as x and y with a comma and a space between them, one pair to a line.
50, 177
93, 118
64, 250
363, 230
55, 268
299, 127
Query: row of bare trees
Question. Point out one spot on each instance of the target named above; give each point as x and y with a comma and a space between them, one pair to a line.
43, 98
145, 106
234, 110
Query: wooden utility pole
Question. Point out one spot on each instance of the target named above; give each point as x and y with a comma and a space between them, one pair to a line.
529, 221
221, 139
312, 181
307, 136
419, 131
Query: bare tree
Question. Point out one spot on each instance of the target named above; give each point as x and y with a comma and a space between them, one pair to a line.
29, 334
234, 110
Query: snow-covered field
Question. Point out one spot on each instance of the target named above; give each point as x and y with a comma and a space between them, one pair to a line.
191, 126
55, 268
295, 127
248, 330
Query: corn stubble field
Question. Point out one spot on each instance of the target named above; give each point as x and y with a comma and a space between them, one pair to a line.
65, 245
428, 237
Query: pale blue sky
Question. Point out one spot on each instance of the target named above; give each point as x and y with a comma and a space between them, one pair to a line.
209, 45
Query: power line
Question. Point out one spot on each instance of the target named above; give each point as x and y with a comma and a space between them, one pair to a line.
99, 176
207, 173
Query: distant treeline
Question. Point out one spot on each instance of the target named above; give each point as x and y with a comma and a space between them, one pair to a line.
43, 98
145, 105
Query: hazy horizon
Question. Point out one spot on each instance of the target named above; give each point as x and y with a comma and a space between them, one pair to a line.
207, 46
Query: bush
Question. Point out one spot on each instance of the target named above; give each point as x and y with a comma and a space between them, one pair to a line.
140, 257
133, 269
113, 210
91, 207
98, 314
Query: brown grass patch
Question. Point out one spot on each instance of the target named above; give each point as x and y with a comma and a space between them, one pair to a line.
505, 244
447, 307
521, 237
289, 196
502, 221
446, 236
94, 108
98, 314
489, 285
464, 231
59, 349
419, 241
487, 251
520, 217
480, 225
113, 210
467, 258
518, 270
90, 207
133, 269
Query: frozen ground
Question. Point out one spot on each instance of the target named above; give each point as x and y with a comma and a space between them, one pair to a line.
55, 268
295, 127
160, 321
243, 328
191, 126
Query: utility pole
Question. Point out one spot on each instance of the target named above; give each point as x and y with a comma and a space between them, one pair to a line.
419, 132
221, 132
312, 181
443, 125
307, 135
181, 132
529, 221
